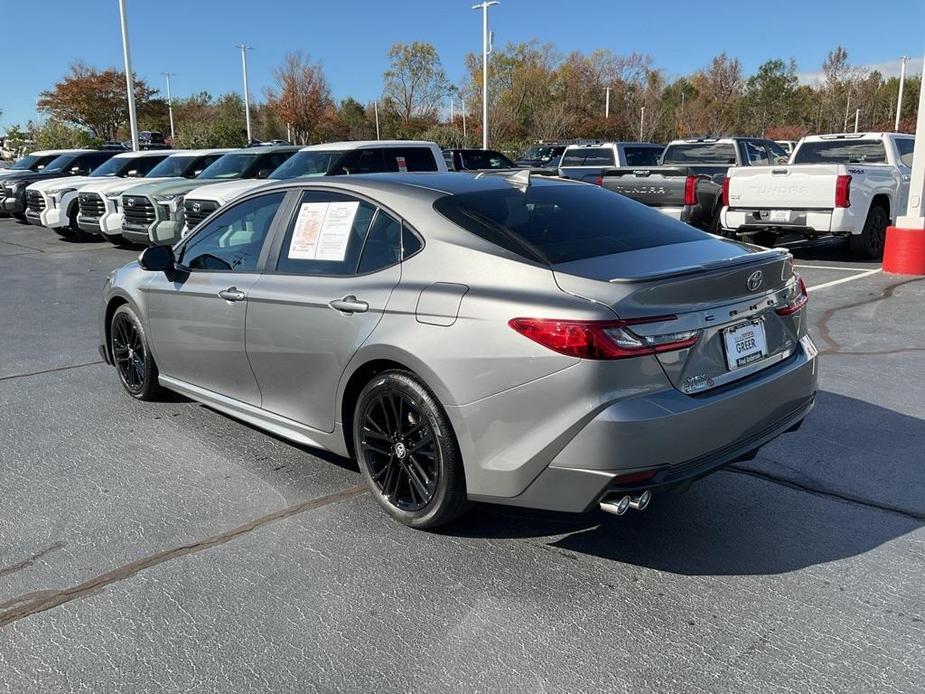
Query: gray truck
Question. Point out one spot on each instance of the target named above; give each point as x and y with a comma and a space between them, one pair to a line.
688, 183
586, 162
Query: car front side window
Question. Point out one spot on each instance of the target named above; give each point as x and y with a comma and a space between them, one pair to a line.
233, 240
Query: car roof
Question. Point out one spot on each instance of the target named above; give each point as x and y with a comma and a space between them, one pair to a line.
854, 136
263, 149
612, 143
199, 152
362, 144
146, 153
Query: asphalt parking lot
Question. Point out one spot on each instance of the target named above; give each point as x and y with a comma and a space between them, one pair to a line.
165, 547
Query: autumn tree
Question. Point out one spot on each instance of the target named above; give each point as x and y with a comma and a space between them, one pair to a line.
415, 84
714, 110
93, 99
301, 98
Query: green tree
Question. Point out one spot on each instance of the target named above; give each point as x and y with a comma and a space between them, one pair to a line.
55, 134
415, 83
768, 99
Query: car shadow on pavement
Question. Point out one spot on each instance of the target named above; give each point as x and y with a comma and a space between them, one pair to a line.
833, 249
827, 501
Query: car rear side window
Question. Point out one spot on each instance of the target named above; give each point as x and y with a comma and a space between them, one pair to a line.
840, 152
588, 156
755, 153
905, 145
383, 244
325, 235
642, 156
553, 222
413, 158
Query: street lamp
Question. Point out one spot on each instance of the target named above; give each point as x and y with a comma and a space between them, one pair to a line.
486, 49
607, 104
168, 75
899, 99
129, 80
247, 107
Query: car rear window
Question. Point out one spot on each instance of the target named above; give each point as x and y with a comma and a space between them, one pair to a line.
700, 153
588, 156
840, 152
642, 156
554, 222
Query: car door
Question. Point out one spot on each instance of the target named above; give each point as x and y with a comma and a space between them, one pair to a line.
327, 284
196, 318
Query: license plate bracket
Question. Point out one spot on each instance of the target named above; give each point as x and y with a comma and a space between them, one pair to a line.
745, 343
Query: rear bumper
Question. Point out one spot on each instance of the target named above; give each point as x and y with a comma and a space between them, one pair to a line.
809, 222
676, 436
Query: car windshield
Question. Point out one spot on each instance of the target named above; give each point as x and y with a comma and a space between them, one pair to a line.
700, 153
841, 152
113, 167
307, 163
588, 156
59, 164
542, 153
232, 165
26, 162
485, 159
559, 222
173, 166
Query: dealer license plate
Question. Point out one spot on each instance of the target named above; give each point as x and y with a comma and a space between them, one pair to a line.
781, 215
745, 344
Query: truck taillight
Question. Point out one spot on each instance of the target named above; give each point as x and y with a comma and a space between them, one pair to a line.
726, 192
690, 190
843, 191
607, 339
600, 180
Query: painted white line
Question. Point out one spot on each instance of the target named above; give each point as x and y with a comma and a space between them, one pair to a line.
843, 280
830, 267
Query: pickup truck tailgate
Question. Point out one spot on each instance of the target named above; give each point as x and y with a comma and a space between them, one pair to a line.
802, 186
655, 186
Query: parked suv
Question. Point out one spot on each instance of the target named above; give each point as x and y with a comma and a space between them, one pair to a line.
78, 162
101, 211
36, 161
154, 213
59, 201
331, 159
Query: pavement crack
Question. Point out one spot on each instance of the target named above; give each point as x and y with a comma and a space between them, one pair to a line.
822, 325
841, 496
26, 563
27, 605
52, 370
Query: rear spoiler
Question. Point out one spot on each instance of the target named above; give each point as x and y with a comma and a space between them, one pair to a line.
751, 258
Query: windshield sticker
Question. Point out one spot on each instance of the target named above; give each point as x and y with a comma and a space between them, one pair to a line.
322, 230
402, 164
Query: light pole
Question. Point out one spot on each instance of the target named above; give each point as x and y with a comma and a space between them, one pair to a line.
168, 75
607, 104
642, 120
899, 99
376, 110
857, 114
129, 80
247, 107
486, 49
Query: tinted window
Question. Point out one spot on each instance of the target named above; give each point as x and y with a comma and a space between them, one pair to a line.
31, 161
232, 241
410, 243
642, 156
89, 162
310, 163
361, 161
179, 165
325, 235
755, 153
232, 165
268, 164
777, 151
475, 159
543, 153
557, 222
588, 156
127, 166
700, 153
61, 163
904, 146
840, 152
383, 244
416, 159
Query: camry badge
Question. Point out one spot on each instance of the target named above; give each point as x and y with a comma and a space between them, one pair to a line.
754, 280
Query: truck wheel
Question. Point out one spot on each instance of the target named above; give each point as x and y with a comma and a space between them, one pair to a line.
869, 243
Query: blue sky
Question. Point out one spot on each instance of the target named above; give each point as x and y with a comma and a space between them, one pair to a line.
194, 38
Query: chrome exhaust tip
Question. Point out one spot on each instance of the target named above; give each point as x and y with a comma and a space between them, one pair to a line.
639, 503
617, 507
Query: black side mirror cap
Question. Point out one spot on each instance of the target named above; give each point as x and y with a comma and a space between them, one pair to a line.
157, 259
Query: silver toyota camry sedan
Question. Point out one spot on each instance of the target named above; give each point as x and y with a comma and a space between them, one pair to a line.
505, 338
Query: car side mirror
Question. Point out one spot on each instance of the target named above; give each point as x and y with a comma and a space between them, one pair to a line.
157, 259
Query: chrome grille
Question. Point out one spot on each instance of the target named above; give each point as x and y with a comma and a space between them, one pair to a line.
138, 209
35, 201
197, 210
91, 205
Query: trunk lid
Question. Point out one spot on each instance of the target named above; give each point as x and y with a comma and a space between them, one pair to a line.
710, 286
800, 186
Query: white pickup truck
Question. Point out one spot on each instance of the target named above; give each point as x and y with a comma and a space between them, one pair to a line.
852, 185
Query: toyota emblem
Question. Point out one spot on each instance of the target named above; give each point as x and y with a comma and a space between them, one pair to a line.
196, 207
130, 202
754, 280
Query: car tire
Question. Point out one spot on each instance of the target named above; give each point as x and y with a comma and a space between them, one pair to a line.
868, 245
20, 217
407, 451
76, 232
131, 355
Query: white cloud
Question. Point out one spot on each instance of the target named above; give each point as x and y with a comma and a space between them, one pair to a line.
887, 68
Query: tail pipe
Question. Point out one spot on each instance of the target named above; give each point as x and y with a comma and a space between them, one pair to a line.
620, 505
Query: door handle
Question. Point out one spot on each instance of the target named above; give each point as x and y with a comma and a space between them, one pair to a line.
349, 304
232, 294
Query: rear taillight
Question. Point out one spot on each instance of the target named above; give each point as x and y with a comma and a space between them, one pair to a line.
726, 192
799, 300
600, 180
690, 190
843, 191
610, 339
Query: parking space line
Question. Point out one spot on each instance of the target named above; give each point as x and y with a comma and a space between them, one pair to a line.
829, 267
859, 276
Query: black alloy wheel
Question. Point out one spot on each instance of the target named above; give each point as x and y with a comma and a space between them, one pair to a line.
407, 451
131, 356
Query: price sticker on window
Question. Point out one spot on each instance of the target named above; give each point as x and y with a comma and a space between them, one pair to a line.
322, 231
402, 164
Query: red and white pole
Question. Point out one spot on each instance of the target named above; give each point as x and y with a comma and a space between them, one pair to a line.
904, 253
